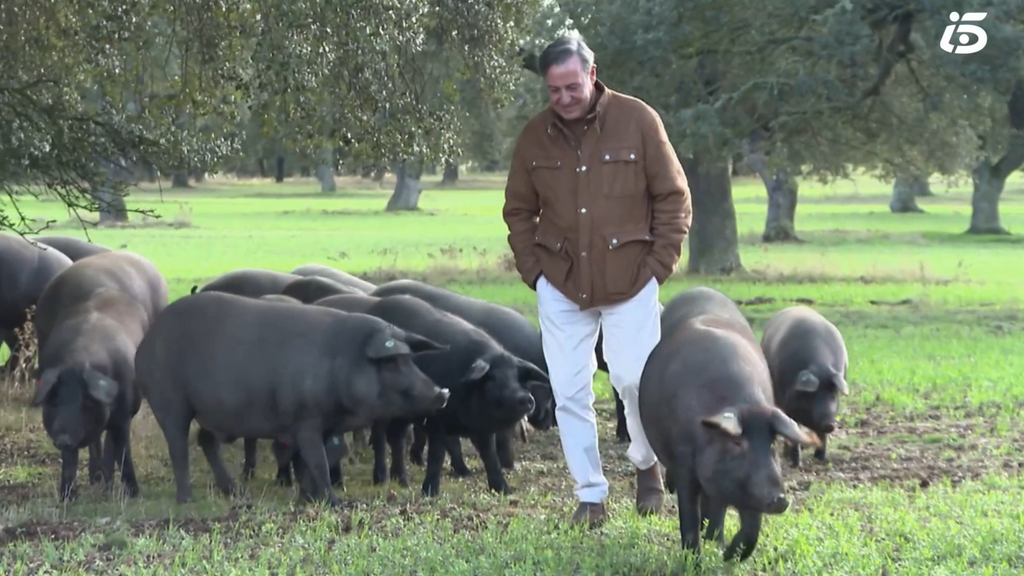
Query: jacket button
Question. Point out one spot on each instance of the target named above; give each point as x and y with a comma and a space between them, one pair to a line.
583, 168
534, 162
607, 157
583, 210
583, 295
632, 156
584, 254
615, 241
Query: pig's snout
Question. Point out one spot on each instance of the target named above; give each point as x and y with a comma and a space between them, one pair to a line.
777, 505
526, 404
63, 442
828, 428
441, 398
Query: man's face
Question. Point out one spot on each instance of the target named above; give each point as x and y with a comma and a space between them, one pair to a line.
570, 88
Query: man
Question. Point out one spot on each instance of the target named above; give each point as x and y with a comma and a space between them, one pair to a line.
597, 207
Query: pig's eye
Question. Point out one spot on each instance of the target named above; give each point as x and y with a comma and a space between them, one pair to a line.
739, 443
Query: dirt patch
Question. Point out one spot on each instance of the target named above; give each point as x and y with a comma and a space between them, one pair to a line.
910, 454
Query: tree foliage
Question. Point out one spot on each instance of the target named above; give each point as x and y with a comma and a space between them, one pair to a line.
93, 89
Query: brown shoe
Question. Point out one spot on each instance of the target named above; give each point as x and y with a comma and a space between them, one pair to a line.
591, 513
650, 491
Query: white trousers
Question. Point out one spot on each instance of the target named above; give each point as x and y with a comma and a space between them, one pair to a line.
631, 331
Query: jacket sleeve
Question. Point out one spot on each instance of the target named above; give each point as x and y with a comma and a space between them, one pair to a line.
521, 213
670, 193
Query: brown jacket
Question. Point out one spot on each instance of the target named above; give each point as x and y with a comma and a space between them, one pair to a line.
598, 220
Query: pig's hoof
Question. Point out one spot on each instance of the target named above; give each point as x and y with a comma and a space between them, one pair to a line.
131, 489
248, 473
69, 494
820, 456
462, 471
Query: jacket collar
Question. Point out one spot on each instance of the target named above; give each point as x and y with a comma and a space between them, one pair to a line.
595, 116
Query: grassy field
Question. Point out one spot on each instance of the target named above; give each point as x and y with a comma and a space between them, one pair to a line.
925, 476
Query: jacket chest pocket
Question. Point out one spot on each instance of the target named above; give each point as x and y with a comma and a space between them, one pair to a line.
621, 173
549, 176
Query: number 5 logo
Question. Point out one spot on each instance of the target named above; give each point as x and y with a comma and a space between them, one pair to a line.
965, 31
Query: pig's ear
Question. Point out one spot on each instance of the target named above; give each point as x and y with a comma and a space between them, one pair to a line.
807, 382
100, 387
529, 372
422, 345
841, 384
727, 421
789, 429
44, 385
385, 344
477, 370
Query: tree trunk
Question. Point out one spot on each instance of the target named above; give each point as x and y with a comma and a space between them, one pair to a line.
325, 171
262, 164
714, 243
989, 181
407, 187
279, 169
924, 188
906, 188
782, 188
451, 173
739, 167
112, 207
180, 179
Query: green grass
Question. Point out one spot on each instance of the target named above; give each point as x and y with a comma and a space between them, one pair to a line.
924, 475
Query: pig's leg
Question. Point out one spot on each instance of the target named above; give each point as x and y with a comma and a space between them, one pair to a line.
174, 422
285, 457
506, 455
453, 444
750, 530
211, 449
249, 464
793, 454
68, 473
688, 493
119, 451
819, 453
484, 444
621, 432
435, 460
397, 430
379, 441
714, 513
310, 442
97, 473
419, 442
336, 448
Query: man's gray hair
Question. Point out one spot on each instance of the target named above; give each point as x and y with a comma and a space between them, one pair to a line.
563, 49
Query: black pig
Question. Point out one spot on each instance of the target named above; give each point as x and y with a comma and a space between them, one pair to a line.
807, 359
706, 405
485, 381
94, 322
248, 368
